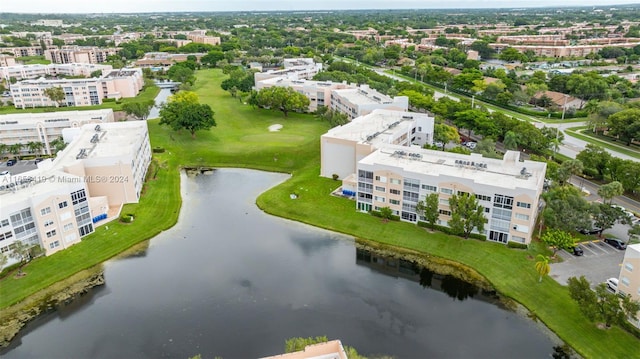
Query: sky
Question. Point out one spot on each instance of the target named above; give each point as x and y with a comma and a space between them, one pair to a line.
119, 6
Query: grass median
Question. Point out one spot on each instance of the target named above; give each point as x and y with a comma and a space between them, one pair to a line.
242, 139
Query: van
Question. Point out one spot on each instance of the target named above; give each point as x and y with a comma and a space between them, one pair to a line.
612, 283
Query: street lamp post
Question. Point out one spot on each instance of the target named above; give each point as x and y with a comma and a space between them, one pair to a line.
564, 106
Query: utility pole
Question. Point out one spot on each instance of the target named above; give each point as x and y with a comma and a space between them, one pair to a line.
564, 106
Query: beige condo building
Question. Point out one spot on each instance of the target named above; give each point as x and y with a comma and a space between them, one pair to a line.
629, 280
399, 177
86, 185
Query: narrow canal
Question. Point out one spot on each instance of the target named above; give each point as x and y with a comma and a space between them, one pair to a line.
231, 281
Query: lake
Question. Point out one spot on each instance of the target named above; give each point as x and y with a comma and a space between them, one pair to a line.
229, 280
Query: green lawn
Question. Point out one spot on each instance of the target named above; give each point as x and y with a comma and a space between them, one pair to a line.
242, 139
33, 60
577, 132
147, 93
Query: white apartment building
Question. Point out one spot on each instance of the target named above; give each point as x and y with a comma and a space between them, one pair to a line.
318, 92
79, 54
45, 127
24, 51
294, 69
362, 100
398, 177
63, 200
25, 72
629, 279
112, 157
78, 92
342, 147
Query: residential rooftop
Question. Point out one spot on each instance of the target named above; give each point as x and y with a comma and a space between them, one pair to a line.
508, 172
364, 96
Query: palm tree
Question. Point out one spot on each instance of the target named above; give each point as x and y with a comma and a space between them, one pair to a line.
510, 140
34, 146
542, 266
15, 149
58, 144
3, 150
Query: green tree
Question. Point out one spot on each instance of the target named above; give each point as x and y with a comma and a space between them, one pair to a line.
466, 214
3, 260
58, 144
297, 344
386, 213
335, 118
487, 148
510, 141
605, 216
285, 99
20, 252
625, 124
595, 160
566, 209
568, 168
140, 110
610, 190
181, 112
34, 146
428, 209
15, 149
55, 94
181, 72
580, 291
557, 240
542, 266
445, 134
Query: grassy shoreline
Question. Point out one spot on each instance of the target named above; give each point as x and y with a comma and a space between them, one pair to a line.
242, 140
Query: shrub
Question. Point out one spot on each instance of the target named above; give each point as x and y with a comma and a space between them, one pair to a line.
158, 150
126, 218
335, 176
108, 100
517, 245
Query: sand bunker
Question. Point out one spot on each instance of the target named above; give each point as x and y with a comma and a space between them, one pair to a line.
274, 128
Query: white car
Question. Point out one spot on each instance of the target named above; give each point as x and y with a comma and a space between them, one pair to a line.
5, 173
612, 283
471, 145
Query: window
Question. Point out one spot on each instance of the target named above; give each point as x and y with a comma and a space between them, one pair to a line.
517, 239
482, 197
382, 179
524, 205
48, 223
446, 190
68, 227
411, 184
445, 212
628, 266
524, 217
65, 216
394, 191
443, 201
379, 199
498, 237
462, 193
501, 201
394, 201
429, 188
5, 222
409, 216
395, 181
51, 233
54, 244
45, 211
380, 189
62, 204
625, 281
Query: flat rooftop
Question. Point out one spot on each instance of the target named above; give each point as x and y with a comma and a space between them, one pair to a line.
103, 140
28, 118
364, 96
377, 126
508, 172
34, 183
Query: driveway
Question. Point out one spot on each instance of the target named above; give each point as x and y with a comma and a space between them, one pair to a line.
600, 261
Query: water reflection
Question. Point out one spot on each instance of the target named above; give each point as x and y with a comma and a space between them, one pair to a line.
401, 268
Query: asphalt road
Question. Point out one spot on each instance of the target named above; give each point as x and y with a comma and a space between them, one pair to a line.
599, 262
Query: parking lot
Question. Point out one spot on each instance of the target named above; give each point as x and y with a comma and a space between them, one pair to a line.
599, 262
19, 167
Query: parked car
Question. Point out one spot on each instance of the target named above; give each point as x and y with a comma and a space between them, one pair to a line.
38, 160
577, 251
594, 230
471, 145
5, 173
612, 283
616, 243
11, 162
